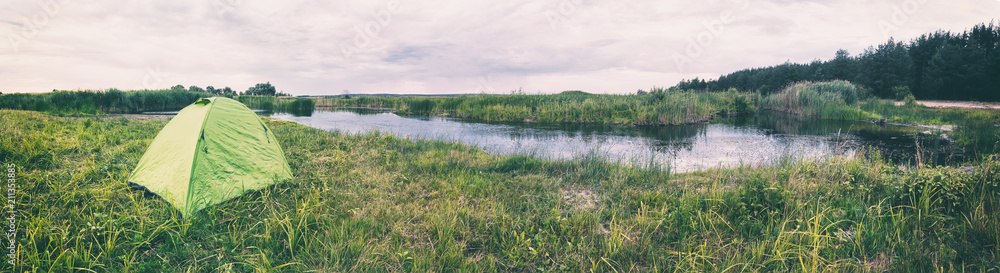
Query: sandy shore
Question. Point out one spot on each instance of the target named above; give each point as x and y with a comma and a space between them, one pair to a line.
956, 104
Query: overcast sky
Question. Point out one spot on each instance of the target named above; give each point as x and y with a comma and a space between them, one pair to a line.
440, 46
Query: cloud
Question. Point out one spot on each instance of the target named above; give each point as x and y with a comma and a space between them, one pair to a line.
444, 46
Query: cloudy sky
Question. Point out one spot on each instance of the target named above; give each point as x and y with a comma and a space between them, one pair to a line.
440, 46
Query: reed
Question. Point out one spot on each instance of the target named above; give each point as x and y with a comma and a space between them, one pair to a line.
296, 106
658, 107
96, 102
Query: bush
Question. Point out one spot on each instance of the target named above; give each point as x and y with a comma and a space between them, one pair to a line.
901, 92
843, 89
756, 204
835, 100
939, 188
741, 105
910, 100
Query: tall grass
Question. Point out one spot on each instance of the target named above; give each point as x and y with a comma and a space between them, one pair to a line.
92, 102
97, 102
976, 129
376, 203
841, 100
659, 107
297, 106
831, 100
919, 114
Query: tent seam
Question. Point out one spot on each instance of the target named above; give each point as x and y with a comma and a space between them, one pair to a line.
194, 159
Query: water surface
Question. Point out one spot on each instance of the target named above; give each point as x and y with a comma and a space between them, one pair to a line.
753, 140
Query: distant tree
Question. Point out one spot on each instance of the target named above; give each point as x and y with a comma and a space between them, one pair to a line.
228, 91
946, 70
817, 71
211, 90
922, 50
178, 87
195, 89
261, 89
884, 68
940, 65
843, 67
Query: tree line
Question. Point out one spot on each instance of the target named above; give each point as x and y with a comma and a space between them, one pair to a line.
261, 89
940, 65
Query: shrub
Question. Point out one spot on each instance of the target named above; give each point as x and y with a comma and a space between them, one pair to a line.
843, 89
756, 204
901, 92
834, 100
910, 100
935, 188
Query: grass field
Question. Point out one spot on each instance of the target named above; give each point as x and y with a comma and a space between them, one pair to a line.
377, 203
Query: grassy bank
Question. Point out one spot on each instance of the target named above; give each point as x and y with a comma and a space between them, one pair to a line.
839, 100
658, 107
976, 129
373, 202
297, 106
842, 100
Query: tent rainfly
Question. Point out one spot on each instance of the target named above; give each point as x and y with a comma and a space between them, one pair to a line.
213, 150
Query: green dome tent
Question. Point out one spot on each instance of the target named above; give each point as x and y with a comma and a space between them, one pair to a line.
213, 150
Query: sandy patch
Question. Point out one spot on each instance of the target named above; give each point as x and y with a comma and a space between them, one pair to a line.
581, 199
957, 104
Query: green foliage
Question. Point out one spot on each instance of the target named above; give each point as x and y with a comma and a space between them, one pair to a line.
901, 93
935, 188
830, 100
574, 92
296, 106
978, 134
300, 106
989, 174
93, 102
975, 131
659, 107
939, 65
261, 89
910, 100
741, 104
757, 203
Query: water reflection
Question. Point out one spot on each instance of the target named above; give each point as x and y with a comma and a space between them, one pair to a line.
755, 140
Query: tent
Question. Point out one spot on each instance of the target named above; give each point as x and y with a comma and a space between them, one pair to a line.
213, 150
